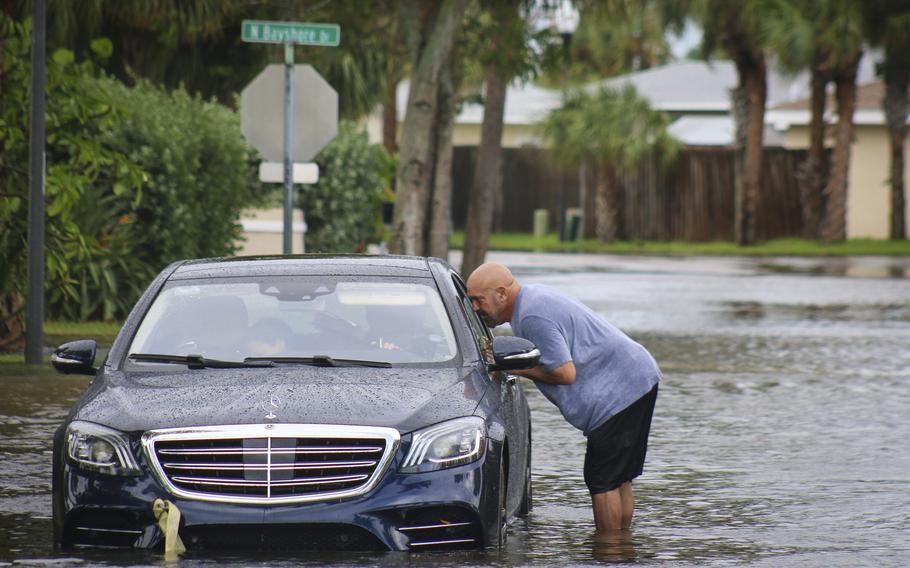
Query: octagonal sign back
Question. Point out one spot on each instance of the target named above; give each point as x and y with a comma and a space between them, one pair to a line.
315, 105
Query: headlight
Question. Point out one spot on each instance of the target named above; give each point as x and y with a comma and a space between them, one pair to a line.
100, 449
444, 445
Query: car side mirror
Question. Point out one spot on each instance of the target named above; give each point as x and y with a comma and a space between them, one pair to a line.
512, 353
76, 357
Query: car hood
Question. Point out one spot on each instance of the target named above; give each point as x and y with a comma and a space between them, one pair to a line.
401, 398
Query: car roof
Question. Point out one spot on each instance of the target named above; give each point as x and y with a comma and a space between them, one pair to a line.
355, 265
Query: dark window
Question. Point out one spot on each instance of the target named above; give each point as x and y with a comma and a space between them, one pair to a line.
479, 330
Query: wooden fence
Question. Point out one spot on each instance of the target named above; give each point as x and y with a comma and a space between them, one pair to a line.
690, 200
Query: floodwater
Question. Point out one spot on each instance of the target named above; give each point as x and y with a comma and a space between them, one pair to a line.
780, 436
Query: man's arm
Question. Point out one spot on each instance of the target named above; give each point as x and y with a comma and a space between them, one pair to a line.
562, 375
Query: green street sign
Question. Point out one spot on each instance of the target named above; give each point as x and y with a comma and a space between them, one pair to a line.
256, 31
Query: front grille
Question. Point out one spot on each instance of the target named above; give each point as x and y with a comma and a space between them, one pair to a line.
270, 463
280, 537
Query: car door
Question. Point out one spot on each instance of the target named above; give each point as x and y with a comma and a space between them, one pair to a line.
511, 399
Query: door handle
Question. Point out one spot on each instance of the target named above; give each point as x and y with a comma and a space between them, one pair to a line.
511, 380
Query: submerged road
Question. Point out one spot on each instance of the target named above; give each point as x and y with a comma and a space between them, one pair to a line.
779, 438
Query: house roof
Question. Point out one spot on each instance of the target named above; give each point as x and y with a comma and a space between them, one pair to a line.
868, 97
703, 130
699, 86
681, 88
868, 112
526, 104
684, 86
717, 130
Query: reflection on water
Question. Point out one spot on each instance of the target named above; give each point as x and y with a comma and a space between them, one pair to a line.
614, 548
779, 438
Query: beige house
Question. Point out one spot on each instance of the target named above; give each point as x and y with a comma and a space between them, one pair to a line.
263, 232
868, 189
526, 106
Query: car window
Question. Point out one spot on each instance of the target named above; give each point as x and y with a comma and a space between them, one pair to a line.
478, 329
231, 319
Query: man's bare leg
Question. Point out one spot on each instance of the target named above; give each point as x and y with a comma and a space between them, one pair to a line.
628, 504
608, 510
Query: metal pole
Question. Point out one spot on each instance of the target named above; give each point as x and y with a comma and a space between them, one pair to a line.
582, 199
288, 146
561, 224
34, 319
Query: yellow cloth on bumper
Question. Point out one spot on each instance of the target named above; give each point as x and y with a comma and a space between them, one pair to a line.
168, 516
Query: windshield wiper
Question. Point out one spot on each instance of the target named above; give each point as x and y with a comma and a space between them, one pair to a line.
193, 361
319, 361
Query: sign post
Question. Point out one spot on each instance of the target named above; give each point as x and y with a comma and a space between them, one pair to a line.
290, 34
288, 146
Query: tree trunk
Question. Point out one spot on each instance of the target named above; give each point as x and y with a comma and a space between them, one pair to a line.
812, 173
414, 177
390, 115
487, 173
12, 321
607, 204
897, 107
834, 226
749, 105
441, 204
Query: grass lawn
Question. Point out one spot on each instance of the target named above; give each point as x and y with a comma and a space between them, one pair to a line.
57, 332
777, 247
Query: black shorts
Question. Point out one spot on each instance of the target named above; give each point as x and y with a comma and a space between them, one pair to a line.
617, 448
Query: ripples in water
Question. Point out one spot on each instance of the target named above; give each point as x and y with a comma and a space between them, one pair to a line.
779, 438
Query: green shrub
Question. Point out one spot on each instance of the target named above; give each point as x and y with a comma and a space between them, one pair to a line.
136, 178
80, 162
200, 169
199, 175
343, 211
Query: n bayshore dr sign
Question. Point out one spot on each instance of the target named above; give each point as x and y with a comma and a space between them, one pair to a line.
315, 110
302, 94
256, 31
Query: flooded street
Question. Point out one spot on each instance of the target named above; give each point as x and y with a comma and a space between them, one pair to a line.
780, 436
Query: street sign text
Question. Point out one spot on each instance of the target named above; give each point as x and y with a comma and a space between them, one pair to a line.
257, 31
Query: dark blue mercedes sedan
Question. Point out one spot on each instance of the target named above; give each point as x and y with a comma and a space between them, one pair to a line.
313, 402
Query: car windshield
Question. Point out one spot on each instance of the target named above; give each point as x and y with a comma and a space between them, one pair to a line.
271, 318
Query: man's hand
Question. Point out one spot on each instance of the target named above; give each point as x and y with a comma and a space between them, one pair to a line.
562, 375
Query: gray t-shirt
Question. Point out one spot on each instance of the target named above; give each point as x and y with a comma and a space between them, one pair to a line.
611, 370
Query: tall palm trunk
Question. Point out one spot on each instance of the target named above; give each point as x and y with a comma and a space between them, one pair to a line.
441, 203
897, 107
812, 173
834, 226
390, 114
487, 173
414, 177
608, 204
749, 105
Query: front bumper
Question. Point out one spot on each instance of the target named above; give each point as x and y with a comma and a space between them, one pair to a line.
452, 508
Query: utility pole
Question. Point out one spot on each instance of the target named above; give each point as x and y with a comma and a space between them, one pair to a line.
34, 320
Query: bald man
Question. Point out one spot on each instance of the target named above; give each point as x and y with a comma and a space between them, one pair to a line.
603, 382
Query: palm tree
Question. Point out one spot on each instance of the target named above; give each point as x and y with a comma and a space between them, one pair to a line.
825, 36
736, 26
609, 131
797, 37
504, 54
618, 36
416, 160
844, 35
889, 26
